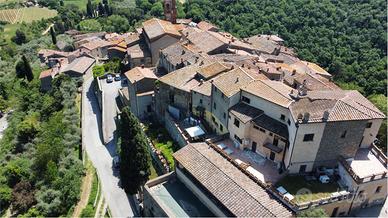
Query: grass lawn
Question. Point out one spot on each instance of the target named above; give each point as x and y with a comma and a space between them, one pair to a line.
26, 14
162, 141
80, 3
9, 31
154, 173
295, 184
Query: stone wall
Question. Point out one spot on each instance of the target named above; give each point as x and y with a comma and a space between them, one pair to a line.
334, 145
174, 131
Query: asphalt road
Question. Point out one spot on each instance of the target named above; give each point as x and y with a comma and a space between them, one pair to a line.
101, 155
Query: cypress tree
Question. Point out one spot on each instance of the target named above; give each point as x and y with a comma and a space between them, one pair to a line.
134, 155
89, 8
53, 36
27, 69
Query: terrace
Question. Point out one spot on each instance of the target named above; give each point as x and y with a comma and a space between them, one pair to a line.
306, 189
264, 170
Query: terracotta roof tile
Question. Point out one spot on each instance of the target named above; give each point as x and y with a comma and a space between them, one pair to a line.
155, 28
273, 91
139, 73
230, 82
237, 192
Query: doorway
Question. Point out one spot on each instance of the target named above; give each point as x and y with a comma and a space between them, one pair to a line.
254, 146
272, 156
302, 169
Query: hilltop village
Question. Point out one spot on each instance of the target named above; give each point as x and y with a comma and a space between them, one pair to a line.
260, 132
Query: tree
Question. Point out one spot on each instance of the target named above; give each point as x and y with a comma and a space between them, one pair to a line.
115, 23
90, 25
23, 69
27, 68
101, 9
5, 196
134, 154
19, 38
53, 36
98, 71
157, 9
316, 212
89, 8
23, 197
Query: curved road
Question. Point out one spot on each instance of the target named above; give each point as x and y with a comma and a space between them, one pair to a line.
101, 155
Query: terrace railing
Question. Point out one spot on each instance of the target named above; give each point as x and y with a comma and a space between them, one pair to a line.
272, 189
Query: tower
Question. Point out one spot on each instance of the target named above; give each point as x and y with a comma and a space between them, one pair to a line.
170, 10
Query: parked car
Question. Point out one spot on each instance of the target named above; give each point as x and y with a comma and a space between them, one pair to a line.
109, 79
117, 77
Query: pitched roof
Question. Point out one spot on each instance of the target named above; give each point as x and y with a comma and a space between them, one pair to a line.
263, 44
245, 112
98, 43
230, 82
233, 189
212, 69
80, 65
339, 104
138, 73
204, 40
156, 28
183, 79
178, 52
272, 91
203, 25
45, 73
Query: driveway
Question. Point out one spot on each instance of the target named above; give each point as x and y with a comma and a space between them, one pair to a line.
101, 155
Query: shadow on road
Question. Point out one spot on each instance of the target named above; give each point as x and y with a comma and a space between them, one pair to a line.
96, 109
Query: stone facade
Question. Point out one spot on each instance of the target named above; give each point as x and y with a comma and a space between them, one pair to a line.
339, 138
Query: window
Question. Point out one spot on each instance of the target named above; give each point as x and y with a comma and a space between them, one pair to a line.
378, 189
308, 137
224, 115
288, 122
221, 128
270, 134
214, 105
238, 139
171, 98
213, 119
246, 100
302, 168
256, 127
236, 122
282, 117
343, 135
262, 130
200, 101
369, 125
361, 193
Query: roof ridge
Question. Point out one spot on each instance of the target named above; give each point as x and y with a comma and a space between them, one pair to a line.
323, 83
275, 90
232, 178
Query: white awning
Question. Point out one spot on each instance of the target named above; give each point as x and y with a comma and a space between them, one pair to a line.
195, 131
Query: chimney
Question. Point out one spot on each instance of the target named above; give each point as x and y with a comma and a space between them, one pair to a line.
200, 81
181, 60
200, 64
196, 59
325, 116
183, 52
293, 72
242, 65
306, 117
142, 66
278, 68
236, 80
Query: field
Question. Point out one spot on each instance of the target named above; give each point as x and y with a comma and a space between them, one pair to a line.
26, 14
